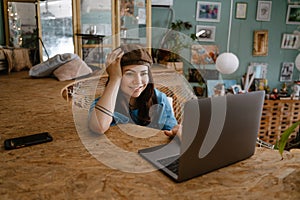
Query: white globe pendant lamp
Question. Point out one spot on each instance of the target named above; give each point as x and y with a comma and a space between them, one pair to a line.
227, 62
297, 62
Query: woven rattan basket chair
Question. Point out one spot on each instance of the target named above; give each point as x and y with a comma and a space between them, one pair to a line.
82, 92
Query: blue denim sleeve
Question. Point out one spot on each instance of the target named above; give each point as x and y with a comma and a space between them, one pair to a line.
165, 121
167, 118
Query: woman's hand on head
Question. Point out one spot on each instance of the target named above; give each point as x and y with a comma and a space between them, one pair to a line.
176, 130
113, 66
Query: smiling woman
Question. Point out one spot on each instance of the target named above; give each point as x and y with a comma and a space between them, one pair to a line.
135, 80
130, 96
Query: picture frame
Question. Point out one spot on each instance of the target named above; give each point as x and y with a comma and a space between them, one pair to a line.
260, 84
263, 12
258, 69
286, 73
219, 87
204, 54
296, 90
209, 34
260, 43
236, 89
291, 14
290, 41
241, 10
293, 1
208, 11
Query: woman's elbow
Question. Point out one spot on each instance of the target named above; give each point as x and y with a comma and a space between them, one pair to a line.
97, 127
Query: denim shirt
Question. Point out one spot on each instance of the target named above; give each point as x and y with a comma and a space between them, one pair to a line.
162, 115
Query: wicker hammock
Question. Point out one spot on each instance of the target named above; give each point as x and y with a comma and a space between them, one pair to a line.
82, 92
276, 116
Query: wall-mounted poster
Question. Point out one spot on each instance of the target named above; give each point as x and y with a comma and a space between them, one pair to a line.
290, 41
286, 74
260, 43
258, 69
208, 35
241, 10
208, 11
292, 15
219, 87
263, 12
204, 54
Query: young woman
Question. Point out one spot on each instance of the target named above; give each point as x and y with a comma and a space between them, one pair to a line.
130, 96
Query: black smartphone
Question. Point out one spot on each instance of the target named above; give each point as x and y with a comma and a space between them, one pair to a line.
18, 142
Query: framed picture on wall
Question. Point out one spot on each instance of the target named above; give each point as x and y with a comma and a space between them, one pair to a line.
260, 43
290, 41
219, 87
204, 54
208, 11
293, 1
208, 35
260, 84
286, 74
292, 14
258, 69
241, 10
236, 89
263, 12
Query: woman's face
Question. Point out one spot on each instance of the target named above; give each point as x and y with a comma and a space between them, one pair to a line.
135, 79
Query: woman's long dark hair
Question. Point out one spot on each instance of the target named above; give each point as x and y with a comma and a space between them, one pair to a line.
137, 55
143, 102
146, 99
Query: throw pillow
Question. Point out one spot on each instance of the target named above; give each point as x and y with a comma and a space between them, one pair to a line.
46, 68
71, 70
17, 59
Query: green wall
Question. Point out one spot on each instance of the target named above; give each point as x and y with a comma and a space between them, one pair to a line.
241, 42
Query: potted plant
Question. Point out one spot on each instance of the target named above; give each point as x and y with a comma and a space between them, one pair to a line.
173, 43
281, 144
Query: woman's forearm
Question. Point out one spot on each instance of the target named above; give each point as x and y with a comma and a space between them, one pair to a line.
101, 116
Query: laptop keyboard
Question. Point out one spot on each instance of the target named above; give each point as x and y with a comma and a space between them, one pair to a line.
171, 163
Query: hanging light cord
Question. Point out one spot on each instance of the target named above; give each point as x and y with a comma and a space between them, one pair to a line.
229, 28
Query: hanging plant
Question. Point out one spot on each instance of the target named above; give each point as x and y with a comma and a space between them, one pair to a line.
174, 41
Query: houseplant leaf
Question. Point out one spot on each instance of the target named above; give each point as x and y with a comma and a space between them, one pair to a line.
174, 41
280, 145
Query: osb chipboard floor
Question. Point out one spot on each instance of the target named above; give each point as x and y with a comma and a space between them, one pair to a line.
64, 169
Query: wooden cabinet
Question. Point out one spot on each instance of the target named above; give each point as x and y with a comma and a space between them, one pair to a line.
277, 116
114, 21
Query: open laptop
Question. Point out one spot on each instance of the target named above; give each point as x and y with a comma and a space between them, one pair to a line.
216, 132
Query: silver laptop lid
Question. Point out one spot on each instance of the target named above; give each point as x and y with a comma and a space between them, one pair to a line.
219, 131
